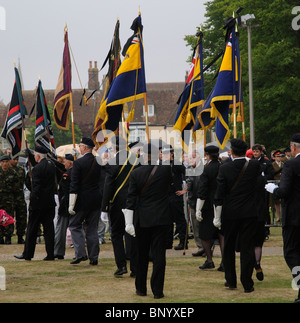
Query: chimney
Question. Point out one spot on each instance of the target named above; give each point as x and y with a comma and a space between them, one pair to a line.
93, 72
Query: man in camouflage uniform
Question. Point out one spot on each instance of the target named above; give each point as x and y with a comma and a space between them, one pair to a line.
19, 199
8, 180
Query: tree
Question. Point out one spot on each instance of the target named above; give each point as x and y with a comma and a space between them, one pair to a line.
61, 137
275, 61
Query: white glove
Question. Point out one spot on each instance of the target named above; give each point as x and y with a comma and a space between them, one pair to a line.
129, 228
217, 216
270, 187
75, 152
199, 206
72, 202
104, 217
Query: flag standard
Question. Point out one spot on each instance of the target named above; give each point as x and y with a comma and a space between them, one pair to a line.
192, 96
43, 127
224, 90
63, 93
114, 61
14, 124
129, 84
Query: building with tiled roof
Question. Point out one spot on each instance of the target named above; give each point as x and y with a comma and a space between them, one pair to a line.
161, 100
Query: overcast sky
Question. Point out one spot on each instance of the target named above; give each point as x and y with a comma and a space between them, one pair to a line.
35, 28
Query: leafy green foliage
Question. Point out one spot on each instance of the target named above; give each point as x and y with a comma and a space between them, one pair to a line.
61, 137
275, 62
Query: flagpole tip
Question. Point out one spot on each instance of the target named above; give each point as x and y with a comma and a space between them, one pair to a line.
15, 63
139, 10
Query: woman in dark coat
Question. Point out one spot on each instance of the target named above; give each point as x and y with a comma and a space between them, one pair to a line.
205, 208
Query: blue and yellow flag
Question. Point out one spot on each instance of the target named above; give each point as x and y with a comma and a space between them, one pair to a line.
129, 84
204, 120
192, 96
224, 91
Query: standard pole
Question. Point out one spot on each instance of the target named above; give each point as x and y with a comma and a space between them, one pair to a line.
251, 109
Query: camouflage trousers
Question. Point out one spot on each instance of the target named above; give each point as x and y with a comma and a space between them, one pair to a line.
20, 207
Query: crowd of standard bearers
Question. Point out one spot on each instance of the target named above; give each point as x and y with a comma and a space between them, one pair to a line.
141, 196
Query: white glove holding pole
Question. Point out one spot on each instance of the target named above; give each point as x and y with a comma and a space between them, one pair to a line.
217, 216
199, 206
270, 187
129, 227
104, 217
72, 202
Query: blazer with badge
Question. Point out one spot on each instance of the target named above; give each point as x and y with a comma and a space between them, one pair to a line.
85, 182
43, 185
116, 184
152, 206
240, 203
208, 184
289, 191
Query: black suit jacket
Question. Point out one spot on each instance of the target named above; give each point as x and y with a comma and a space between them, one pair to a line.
240, 203
85, 183
152, 206
113, 169
43, 185
208, 184
289, 190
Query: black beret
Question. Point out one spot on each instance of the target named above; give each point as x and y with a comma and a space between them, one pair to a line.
4, 157
296, 138
136, 144
69, 157
211, 149
87, 141
41, 150
238, 144
167, 149
287, 149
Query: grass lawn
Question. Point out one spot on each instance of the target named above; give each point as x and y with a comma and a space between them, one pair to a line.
56, 282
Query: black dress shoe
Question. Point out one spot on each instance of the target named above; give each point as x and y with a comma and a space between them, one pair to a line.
207, 265
181, 247
21, 256
198, 253
59, 257
250, 290
140, 293
120, 271
48, 258
94, 262
78, 260
259, 272
230, 286
159, 296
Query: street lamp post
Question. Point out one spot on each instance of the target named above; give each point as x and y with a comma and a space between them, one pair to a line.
247, 21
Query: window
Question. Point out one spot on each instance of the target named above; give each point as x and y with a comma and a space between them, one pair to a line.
137, 133
150, 110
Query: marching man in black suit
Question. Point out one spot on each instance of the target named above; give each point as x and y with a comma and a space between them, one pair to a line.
289, 191
42, 205
115, 191
147, 216
85, 203
235, 200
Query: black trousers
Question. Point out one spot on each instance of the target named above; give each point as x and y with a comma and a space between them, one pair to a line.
244, 230
117, 222
177, 211
37, 217
153, 238
291, 250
